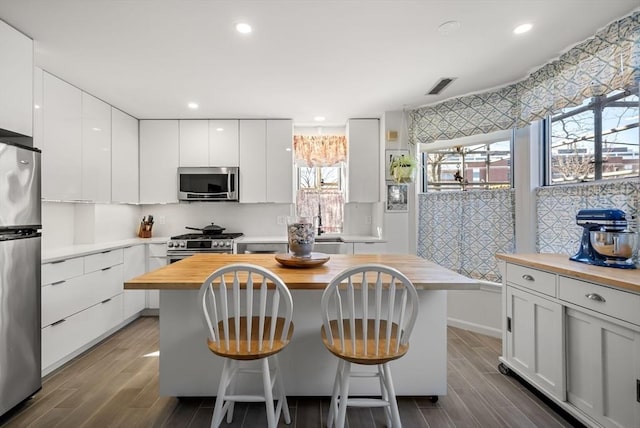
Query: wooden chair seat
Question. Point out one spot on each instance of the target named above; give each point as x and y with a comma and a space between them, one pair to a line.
241, 348
369, 354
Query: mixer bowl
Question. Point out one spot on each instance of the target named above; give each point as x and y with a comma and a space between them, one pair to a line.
621, 245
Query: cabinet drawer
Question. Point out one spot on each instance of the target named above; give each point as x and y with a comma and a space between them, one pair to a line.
76, 294
609, 301
102, 260
74, 332
62, 270
534, 279
157, 250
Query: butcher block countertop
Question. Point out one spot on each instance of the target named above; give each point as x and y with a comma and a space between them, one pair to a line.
190, 273
627, 279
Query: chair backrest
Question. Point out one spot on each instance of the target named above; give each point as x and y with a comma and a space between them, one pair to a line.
245, 300
379, 294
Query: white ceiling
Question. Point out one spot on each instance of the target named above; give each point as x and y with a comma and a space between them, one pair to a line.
338, 59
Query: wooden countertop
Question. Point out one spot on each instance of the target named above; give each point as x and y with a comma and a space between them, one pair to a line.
627, 279
190, 273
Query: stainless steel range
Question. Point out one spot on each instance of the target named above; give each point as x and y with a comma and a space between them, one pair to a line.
183, 246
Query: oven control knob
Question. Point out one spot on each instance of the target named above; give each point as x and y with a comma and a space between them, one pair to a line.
228, 243
182, 245
215, 243
170, 244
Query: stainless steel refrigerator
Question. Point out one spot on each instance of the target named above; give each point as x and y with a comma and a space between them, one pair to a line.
20, 234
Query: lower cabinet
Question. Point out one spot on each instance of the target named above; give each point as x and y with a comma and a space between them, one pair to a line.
156, 259
134, 265
576, 341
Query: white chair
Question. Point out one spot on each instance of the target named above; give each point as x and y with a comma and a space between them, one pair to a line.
251, 322
368, 313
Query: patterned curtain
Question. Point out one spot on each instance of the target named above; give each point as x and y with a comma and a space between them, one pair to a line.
608, 61
320, 150
327, 203
463, 231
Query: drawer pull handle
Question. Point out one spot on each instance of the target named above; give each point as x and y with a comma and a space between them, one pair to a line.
107, 268
58, 322
105, 252
595, 297
58, 282
58, 261
528, 277
105, 301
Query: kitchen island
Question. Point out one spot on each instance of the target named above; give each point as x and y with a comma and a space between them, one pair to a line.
188, 368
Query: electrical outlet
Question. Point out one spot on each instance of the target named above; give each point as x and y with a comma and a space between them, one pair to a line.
367, 219
161, 220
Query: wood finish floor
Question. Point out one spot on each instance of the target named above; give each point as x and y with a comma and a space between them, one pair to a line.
115, 384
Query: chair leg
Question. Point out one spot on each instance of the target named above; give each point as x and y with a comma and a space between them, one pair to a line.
333, 405
282, 400
232, 390
218, 414
384, 393
344, 394
395, 414
268, 394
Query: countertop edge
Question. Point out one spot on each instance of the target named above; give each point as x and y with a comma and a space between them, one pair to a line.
624, 279
79, 250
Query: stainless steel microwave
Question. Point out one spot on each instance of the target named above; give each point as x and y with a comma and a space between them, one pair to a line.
208, 184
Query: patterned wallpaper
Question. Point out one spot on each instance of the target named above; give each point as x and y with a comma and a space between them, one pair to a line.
463, 230
558, 205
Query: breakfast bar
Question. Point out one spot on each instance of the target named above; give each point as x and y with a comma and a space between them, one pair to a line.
188, 368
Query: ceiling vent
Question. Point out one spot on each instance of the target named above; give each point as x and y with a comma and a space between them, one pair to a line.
439, 87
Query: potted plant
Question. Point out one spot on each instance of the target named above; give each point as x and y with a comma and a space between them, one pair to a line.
403, 168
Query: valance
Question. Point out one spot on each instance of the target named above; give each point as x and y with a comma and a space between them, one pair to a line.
608, 61
319, 150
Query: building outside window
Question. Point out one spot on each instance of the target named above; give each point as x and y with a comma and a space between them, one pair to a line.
479, 166
597, 140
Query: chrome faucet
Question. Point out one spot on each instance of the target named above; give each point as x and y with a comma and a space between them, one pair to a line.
320, 231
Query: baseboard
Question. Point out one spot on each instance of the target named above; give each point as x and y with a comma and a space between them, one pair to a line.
476, 328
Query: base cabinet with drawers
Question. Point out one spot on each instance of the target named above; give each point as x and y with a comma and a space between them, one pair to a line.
576, 340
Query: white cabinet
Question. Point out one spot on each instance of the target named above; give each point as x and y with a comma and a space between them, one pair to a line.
266, 161
159, 154
124, 157
363, 138
62, 140
134, 265
38, 102
96, 149
81, 301
369, 247
16, 81
534, 339
223, 142
156, 259
194, 142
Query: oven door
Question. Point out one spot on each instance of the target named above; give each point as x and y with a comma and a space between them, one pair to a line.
176, 257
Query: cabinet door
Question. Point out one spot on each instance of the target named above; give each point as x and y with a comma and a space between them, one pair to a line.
369, 247
279, 160
96, 149
16, 81
253, 169
158, 161
535, 341
157, 258
134, 265
62, 142
38, 102
223, 143
603, 369
194, 143
363, 160
124, 157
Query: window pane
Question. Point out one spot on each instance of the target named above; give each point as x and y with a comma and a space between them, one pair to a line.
330, 177
572, 148
620, 139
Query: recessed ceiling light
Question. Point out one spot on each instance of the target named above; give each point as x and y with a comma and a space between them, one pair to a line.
319, 118
520, 29
36, 106
243, 28
96, 129
192, 106
219, 129
448, 27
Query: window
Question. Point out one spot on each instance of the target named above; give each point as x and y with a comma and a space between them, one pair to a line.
477, 166
597, 140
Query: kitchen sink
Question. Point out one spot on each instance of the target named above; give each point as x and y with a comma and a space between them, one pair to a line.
322, 238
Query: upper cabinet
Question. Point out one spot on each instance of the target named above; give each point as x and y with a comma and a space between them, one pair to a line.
266, 161
159, 152
363, 137
223, 142
209, 143
16, 80
124, 157
62, 140
96, 149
